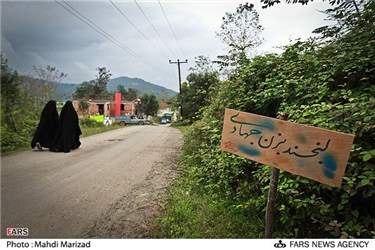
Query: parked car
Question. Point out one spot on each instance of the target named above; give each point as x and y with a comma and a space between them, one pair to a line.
164, 120
129, 119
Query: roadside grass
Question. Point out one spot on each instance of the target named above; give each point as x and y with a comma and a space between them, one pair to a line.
91, 126
183, 127
87, 131
190, 215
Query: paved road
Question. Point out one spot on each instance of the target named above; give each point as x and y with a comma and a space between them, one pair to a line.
61, 195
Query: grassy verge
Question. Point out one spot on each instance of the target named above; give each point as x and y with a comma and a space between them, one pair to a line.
190, 215
193, 211
183, 129
87, 131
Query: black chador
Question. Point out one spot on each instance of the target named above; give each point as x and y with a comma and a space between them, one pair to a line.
46, 130
68, 130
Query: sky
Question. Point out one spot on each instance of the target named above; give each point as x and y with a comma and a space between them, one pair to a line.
136, 38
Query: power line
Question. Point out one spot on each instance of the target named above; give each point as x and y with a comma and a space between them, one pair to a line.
113, 40
170, 26
95, 27
153, 27
144, 36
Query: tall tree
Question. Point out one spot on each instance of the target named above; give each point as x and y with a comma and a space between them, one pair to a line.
95, 88
85, 90
43, 87
132, 94
149, 104
121, 89
241, 32
346, 14
101, 81
203, 64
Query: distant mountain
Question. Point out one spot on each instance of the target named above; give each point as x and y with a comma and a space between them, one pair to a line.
141, 85
66, 90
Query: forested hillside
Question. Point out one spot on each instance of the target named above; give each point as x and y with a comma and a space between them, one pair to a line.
141, 86
326, 82
65, 91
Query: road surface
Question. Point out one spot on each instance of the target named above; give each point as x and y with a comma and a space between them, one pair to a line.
108, 188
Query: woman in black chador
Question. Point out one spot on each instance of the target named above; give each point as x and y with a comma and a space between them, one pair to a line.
68, 130
46, 130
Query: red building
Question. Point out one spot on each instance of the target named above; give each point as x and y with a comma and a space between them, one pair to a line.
106, 107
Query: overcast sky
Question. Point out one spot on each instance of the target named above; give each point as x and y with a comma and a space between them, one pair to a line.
41, 33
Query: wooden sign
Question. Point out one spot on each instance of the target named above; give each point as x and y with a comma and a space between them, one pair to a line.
315, 153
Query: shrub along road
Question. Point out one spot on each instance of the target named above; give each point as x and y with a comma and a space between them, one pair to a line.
108, 188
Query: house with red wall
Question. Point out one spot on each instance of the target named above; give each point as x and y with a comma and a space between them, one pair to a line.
106, 107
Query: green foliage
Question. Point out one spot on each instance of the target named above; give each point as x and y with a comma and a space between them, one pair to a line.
45, 84
195, 94
347, 4
83, 105
17, 126
95, 88
91, 122
240, 31
85, 90
101, 81
10, 91
323, 84
96, 129
149, 104
196, 216
130, 94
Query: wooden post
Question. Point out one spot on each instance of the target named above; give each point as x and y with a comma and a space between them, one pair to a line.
179, 81
272, 192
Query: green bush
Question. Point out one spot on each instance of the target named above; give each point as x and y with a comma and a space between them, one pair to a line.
323, 84
90, 123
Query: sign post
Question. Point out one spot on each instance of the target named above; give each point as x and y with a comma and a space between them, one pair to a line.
314, 153
272, 192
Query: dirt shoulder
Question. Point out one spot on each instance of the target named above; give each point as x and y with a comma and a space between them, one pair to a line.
134, 215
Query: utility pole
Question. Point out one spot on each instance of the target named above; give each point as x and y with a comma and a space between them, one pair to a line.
179, 77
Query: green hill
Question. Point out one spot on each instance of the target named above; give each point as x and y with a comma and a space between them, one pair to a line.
66, 90
141, 85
